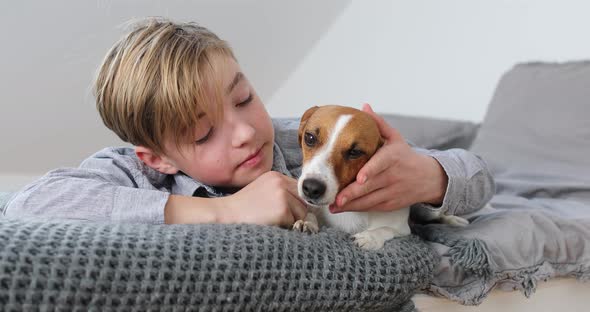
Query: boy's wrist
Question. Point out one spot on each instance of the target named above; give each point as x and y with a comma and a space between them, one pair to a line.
194, 210
223, 212
439, 180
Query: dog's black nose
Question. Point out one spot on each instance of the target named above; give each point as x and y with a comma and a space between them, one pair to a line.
313, 188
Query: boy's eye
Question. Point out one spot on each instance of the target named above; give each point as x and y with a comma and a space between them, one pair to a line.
310, 139
205, 138
246, 101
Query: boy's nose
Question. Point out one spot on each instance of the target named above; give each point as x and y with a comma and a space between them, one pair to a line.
243, 133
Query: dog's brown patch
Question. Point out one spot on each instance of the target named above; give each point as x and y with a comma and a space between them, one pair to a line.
360, 133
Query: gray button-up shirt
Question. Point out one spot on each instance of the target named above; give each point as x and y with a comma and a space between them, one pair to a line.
113, 185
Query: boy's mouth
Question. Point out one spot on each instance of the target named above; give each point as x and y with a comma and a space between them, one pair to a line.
253, 159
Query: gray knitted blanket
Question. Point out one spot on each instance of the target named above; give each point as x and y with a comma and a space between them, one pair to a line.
71, 265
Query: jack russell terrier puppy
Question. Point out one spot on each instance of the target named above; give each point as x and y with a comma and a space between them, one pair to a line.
336, 143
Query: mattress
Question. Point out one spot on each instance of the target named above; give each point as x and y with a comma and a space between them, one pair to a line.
563, 294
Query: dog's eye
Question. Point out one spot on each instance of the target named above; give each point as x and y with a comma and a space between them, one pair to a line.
354, 153
310, 139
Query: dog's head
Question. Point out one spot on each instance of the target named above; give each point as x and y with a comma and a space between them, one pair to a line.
336, 142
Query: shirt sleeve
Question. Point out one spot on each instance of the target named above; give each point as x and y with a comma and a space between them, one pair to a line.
470, 184
109, 186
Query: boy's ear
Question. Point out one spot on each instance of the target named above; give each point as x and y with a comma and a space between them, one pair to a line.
303, 121
155, 161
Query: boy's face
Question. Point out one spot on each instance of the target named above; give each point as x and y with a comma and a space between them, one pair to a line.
236, 150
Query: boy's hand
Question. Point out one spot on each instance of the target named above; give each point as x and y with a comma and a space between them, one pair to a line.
271, 199
395, 177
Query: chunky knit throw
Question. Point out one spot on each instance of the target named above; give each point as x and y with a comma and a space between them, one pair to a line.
69, 265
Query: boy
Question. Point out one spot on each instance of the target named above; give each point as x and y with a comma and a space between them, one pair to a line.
205, 149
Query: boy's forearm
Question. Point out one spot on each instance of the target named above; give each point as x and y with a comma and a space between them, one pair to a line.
79, 194
192, 210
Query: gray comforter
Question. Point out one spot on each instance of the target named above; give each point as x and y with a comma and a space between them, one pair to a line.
536, 140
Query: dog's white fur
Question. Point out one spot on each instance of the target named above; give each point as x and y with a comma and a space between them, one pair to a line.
318, 167
370, 230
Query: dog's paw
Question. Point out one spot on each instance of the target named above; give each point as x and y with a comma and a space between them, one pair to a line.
454, 220
305, 227
369, 240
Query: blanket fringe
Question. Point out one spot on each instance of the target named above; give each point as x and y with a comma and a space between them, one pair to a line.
529, 284
584, 276
471, 255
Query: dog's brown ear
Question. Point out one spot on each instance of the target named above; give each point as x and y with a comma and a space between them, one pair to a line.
303, 121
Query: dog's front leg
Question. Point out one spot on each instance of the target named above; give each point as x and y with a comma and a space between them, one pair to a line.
382, 227
308, 225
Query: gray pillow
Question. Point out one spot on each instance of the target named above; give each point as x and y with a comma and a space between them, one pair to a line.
536, 133
71, 266
4, 197
433, 133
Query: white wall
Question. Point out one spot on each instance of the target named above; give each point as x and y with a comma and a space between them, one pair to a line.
435, 58
431, 58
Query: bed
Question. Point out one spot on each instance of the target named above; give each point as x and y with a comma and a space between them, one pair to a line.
554, 295
528, 251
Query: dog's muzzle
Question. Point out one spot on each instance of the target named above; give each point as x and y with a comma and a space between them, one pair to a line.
313, 188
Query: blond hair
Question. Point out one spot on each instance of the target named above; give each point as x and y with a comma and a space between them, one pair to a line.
153, 83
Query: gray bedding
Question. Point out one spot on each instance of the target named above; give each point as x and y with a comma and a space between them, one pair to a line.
536, 139
4, 197
76, 266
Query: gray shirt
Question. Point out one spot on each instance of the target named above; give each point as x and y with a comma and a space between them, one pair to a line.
113, 185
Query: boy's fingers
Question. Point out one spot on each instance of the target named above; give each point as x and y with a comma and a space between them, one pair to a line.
376, 165
287, 222
293, 191
365, 203
381, 123
298, 209
297, 204
356, 190
351, 193
395, 134
388, 132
